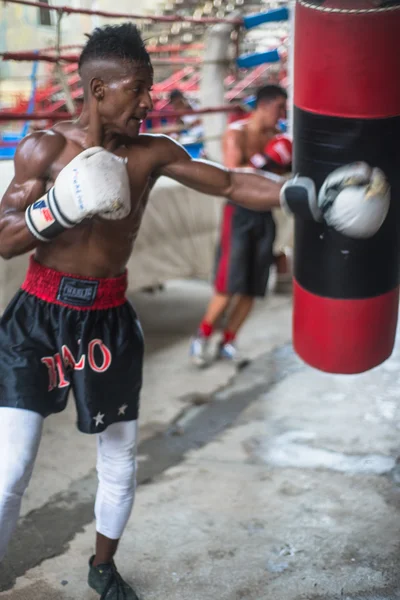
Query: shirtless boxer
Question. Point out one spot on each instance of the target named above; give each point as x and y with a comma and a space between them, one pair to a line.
244, 254
70, 326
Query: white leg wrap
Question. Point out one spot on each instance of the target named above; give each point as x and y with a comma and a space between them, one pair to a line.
116, 469
20, 433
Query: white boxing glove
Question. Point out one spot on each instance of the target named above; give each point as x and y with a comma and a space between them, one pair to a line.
94, 183
355, 200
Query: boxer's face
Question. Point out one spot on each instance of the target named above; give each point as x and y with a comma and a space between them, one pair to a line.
273, 111
126, 99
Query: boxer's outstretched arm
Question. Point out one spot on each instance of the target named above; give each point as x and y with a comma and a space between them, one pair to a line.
240, 186
32, 160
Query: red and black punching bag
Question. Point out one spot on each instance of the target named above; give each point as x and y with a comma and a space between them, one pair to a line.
346, 109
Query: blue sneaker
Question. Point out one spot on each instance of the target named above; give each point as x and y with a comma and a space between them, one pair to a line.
227, 351
198, 351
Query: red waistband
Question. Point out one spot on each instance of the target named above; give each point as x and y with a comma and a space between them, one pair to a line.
74, 291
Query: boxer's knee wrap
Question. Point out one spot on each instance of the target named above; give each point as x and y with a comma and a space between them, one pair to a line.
116, 468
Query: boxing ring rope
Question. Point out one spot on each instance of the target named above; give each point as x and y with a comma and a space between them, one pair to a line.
155, 49
73, 58
34, 56
10, 116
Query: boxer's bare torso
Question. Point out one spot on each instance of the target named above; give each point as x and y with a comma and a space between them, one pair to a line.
96, 246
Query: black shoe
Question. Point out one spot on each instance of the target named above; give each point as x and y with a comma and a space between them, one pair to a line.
107, 582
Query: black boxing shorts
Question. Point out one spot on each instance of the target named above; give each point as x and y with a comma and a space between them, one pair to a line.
245, 251
63, 332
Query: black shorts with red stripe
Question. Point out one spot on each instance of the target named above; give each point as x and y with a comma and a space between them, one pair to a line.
63, 332
245, 251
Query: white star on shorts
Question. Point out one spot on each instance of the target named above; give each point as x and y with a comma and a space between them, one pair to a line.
99, 419
122, 409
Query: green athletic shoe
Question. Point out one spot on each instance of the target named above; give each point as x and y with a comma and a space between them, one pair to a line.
107, 582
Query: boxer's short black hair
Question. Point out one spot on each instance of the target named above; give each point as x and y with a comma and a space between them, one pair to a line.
270, 92
115, 42
175, 95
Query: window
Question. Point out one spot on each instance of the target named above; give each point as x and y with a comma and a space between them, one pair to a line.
44, 14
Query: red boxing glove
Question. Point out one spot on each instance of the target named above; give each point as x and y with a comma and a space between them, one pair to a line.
279, 150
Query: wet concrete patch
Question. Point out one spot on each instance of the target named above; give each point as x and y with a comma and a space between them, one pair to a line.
291, 449
39, 590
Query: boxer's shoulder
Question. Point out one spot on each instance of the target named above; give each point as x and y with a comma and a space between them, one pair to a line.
38, 150
238, 126
152, 140
153, 149
236, 135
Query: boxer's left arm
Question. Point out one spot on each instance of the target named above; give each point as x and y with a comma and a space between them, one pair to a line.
240, 186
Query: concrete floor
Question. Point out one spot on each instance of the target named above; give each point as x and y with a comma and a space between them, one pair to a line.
274, 483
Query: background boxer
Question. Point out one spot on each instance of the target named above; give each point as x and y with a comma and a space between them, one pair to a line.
70, 326
279, 155
192, 124
244, 254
